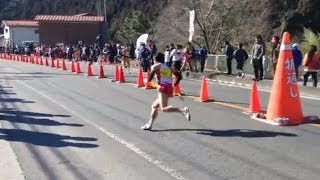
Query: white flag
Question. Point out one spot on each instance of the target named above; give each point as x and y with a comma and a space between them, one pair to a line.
191, 29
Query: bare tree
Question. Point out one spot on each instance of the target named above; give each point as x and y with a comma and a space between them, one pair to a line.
217, 20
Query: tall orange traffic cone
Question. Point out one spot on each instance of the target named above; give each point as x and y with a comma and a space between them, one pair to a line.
78, 68
121, 76
140, 82
116, 74
89, 70
64, 67
101, 72
47, 62
73, 68
58, 64
148, 84
32, 60
37, 60
26, 59
204, 96
284, 104
254, 99
41, 61
52, 63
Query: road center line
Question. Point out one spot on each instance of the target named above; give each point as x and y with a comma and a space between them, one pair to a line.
172, 172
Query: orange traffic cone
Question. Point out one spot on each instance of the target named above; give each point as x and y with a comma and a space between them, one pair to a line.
140, 82
64, 67
204, 97
52, 64
32, 60
26, 59
73, 68
41, 61
78, 68
37, 60
47, 62
58, 64
116, 74
89, 70
121, 77
148, 84
101, 72
284, 104
254, 99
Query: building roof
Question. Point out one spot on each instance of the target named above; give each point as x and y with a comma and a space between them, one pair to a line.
75, 18
20, 23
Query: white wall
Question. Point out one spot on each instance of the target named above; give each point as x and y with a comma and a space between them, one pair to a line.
18, 34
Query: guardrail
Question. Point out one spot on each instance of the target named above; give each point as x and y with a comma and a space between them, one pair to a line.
218, 63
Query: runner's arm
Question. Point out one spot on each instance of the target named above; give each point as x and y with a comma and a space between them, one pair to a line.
153, 72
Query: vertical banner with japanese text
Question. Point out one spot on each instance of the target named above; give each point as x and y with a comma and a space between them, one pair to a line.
191, 26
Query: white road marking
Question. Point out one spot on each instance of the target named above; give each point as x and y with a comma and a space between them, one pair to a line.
9, 164
245, 86
172, 172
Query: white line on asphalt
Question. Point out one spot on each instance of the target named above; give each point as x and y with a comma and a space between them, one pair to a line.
10, 167
172, 172
244, 86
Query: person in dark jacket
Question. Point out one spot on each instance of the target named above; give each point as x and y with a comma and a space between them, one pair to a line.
240, 55
229, 54
297, 57
203, 53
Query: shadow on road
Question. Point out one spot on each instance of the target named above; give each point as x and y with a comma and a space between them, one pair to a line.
245, 133
25, 113
14, 100
45, 139
35, 121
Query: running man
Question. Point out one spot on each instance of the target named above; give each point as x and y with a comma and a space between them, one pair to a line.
165, 90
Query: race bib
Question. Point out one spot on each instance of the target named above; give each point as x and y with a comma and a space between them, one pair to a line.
165, 73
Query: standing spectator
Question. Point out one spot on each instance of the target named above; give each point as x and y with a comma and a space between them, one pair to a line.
172, 47
297, 57
258, 52
119, 53
203, 54
144, 57
275, 52
77, 53
126, 57
228, 50
311, 62
177, 57
241, 56
167, 56
132, 53
70, 52
194, 58
154, 51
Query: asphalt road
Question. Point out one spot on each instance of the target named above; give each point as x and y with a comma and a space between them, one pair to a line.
66, 126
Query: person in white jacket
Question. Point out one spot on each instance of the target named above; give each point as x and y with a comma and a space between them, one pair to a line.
167, 56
